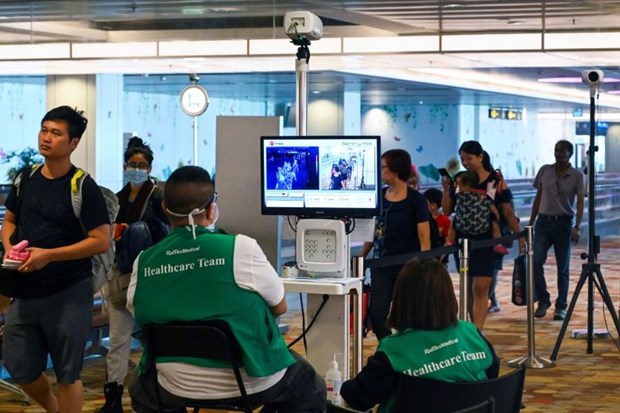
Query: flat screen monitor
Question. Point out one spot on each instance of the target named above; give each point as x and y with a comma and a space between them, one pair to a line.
320, 176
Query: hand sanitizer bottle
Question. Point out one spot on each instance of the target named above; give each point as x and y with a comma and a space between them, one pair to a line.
333, 381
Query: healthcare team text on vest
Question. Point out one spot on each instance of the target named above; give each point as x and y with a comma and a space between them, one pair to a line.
200, 262
434, 366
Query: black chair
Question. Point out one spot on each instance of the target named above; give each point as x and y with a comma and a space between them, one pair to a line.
335, 408
210, 339
99, 328
484, 407
502, 395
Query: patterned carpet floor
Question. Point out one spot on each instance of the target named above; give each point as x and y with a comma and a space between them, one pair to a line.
579, 383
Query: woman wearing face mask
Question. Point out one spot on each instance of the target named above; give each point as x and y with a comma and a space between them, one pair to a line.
140, 223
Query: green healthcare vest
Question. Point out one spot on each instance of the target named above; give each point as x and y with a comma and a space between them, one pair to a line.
186, 279
453, 354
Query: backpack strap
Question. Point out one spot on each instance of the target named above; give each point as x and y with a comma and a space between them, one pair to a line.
76, 192
17, 183
147, 200
18, 179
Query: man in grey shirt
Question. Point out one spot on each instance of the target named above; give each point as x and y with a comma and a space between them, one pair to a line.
554, 211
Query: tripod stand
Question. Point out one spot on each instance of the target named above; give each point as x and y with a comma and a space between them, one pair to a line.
591, 270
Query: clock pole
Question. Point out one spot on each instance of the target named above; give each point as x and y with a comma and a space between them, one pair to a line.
194, 102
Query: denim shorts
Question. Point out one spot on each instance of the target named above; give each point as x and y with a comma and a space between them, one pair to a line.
57, 325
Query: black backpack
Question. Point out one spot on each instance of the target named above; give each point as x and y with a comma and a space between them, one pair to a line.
139, 236
135, 239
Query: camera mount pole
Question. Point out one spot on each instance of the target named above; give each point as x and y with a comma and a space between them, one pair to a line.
302, 66
591, 268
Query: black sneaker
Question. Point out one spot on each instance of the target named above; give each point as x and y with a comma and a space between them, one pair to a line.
559, 314
541, 311
494, 308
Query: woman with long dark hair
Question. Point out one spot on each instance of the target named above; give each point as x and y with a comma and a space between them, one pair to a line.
483, 261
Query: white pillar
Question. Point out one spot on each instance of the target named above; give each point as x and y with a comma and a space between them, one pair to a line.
100, 151
352, 111
77, 91
110, 145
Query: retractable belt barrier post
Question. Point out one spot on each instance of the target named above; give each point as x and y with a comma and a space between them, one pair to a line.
531, 360
463, 285
357, 267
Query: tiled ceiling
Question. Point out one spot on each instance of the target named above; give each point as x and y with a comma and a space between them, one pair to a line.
31, 22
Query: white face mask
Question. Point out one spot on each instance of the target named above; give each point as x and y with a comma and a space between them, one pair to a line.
216, 215
190, 217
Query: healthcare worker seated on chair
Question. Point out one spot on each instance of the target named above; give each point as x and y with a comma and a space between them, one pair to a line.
428, 340
198, 274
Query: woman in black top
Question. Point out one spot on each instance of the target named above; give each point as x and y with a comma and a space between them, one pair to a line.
483, 261
402, 228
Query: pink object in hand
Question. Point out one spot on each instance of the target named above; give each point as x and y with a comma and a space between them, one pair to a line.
23, 256
18, 253
20, 246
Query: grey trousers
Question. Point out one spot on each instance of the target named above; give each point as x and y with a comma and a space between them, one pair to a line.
121, 328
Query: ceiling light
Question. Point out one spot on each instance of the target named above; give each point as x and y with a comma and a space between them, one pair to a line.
560, 79
387, 44
504, 84
223, 9
453, 5
515, 22
35, 51
111, 50
189, 11
573, 80
579, 40
494, 42
203, 48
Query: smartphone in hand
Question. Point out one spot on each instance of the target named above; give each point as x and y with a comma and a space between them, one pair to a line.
443, 172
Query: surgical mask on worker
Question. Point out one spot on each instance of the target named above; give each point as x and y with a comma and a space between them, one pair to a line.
190, 217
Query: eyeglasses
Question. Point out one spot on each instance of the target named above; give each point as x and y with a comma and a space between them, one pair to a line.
141, 165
